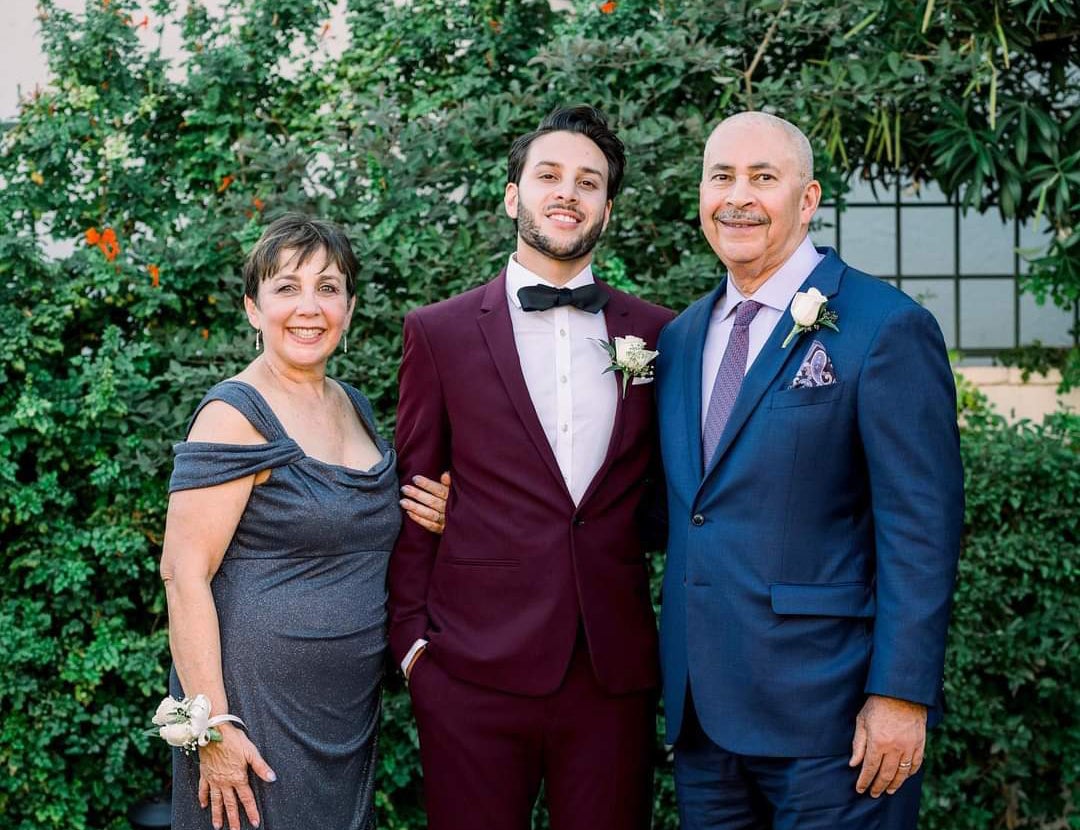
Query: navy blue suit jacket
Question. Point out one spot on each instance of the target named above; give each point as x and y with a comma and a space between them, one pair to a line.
813, 562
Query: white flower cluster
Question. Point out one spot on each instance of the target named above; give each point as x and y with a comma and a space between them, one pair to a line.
116, 147
80, 96
184, 723
632, 357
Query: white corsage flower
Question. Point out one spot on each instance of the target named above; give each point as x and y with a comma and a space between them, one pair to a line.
809, 311
629, 356
167, 711
187, 723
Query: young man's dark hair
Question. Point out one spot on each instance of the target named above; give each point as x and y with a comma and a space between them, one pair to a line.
586, 121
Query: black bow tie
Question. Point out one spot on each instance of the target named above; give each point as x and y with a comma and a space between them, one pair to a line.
590, 298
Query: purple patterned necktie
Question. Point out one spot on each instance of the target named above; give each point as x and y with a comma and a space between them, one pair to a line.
729, 378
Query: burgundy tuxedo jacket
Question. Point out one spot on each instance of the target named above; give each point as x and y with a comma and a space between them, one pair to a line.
501, 595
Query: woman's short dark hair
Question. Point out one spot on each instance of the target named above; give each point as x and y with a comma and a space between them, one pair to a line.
307, 237
586, 121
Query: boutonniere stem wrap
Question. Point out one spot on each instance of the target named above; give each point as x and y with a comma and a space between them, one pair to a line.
629, 356
809, 311
187, 723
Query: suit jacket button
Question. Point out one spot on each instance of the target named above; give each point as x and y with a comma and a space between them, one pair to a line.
698, 520
578, 521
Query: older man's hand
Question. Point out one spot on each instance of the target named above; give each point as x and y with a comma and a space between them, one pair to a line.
890, 737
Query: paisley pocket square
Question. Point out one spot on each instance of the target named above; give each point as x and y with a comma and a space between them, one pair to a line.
816, 369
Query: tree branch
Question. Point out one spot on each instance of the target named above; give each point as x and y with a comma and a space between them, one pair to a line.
749, 73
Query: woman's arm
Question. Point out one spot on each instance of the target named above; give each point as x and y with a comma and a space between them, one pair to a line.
198, 528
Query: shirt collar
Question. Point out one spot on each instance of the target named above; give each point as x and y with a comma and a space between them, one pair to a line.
518, 276
780, 288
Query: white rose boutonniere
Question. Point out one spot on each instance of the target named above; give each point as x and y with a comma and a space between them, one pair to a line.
808, 310
187, 723
629, 356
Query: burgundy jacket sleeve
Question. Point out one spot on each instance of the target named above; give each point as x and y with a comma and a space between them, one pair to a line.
423, 447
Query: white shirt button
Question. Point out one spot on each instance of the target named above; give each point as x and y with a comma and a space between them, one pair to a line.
566, 427
562, 379
562, 332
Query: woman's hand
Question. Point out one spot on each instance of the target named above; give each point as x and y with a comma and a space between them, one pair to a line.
223, 777
425, 503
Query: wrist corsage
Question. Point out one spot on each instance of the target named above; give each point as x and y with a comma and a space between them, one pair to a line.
187, 723
629, 356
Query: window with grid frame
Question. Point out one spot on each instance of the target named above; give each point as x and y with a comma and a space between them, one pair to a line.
963, 267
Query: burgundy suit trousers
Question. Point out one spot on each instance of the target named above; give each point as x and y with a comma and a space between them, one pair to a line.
485, 752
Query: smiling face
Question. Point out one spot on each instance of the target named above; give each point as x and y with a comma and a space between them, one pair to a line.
560, 204
756, 197
302, 310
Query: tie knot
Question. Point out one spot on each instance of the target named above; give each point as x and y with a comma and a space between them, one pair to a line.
745, 312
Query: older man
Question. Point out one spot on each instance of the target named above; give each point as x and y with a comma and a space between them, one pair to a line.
808, 428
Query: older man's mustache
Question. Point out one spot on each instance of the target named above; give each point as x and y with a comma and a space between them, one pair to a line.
740, 216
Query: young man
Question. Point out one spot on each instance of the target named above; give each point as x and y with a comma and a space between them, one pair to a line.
526, 631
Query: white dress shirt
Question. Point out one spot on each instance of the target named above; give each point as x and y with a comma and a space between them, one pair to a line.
775, 296
563, 366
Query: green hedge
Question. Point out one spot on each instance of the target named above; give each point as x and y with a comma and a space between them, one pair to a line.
108, 348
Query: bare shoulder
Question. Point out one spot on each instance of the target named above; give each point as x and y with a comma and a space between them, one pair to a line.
221, 423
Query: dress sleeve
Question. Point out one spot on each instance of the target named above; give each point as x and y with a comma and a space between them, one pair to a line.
200, 464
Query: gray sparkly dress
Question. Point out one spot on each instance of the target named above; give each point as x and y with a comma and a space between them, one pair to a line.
301, 603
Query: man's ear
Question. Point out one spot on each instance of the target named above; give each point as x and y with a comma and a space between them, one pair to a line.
811, 198
607, 214
510, 200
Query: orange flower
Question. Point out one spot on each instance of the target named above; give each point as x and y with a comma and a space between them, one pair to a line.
155, 275
608, 7
37, 178
144, 23
225, 182
109, 245
205, 334
258, 203
92, 236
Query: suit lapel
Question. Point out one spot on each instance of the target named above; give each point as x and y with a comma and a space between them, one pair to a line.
772, 359
697, 330
617, 319
498, 332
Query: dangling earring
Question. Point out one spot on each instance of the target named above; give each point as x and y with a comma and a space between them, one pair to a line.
258, 340
345, 337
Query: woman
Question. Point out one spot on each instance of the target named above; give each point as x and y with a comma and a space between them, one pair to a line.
282, 514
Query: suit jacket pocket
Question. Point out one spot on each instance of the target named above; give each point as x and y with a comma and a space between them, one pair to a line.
806, 396
482, 563
841, 599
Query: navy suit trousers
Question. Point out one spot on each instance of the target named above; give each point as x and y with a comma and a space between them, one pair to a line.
720, 790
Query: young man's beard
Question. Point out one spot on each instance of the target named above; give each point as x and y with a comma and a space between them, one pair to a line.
529, 231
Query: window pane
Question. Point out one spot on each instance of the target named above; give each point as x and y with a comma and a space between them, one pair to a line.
939, 298
1046, 323
863, 191
921, 192
823, 227
986, 314
927, 235
868, 239
1033, 243
986, 244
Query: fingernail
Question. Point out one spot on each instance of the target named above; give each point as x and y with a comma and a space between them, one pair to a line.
272, 776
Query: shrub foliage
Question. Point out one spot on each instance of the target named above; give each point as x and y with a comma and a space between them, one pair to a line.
129, 190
